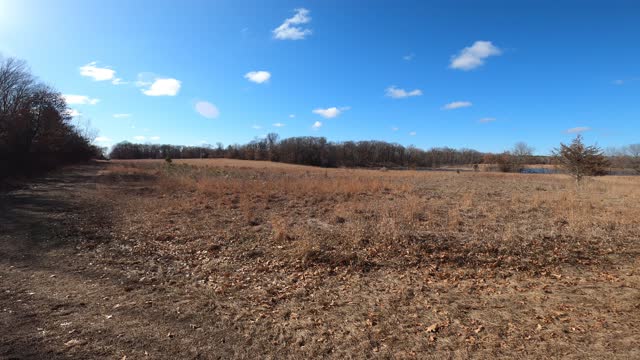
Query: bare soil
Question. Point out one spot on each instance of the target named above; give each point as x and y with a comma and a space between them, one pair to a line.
251, 260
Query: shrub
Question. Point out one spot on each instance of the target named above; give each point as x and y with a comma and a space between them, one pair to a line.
581, 160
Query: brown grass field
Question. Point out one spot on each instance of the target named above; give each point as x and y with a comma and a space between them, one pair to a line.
241, 259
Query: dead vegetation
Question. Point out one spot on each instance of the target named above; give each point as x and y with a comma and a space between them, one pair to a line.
303, 262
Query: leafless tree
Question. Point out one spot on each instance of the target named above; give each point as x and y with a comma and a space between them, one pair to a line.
521, 154
36, 132
633, 152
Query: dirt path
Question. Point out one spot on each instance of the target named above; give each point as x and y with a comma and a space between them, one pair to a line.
56, 302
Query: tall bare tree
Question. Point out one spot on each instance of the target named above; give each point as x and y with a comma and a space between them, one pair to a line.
36, 132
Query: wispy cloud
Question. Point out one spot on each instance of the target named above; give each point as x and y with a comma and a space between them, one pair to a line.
316, 125
207, 109
409, 57
257, 127
289, 29
102, 139
291, 116
97, 73
79, 100
397, 93
578, 130
155, 138
413, 133
278, 124
457, 105
331, 112
625, 81
161, 87
258, 77
474, 56
394, 128
140, 138
121, 116
486, 120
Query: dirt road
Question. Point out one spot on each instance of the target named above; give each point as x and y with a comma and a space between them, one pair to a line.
58, 300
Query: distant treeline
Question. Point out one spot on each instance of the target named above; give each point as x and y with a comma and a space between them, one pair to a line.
36, 133
627, 157
315, 151
318, 151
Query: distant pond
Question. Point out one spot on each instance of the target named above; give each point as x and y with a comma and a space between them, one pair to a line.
538, 171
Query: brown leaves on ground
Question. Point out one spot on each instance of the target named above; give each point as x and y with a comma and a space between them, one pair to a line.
257, 259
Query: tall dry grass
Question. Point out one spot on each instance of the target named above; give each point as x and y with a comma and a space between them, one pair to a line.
471, 221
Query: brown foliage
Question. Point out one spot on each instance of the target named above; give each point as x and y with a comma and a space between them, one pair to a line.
581, 160
36, 133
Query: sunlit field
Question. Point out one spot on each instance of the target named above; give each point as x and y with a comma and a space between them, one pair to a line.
313, 262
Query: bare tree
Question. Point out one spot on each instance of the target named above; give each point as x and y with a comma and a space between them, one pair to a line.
521, 154
633, 152
581, 160
36, 132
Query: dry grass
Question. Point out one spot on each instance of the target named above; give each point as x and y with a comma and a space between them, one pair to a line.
359, 263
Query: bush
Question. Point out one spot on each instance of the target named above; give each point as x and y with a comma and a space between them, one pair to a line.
581, 160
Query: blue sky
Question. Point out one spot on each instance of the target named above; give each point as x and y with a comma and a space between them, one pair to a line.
533, 71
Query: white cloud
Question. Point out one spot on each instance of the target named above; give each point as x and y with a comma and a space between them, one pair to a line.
102, 139
291, 116
118, 81
457, 105
207, 109
331, 112
257, 127
471, 57
396, 93
97, 73
278, 124
316, 125
73, 112
121, 116
289, 31
258, 77
161, 87
155, 138
394, 128
139, 138
578, 130
409, 57
625, 81
79, 100
413, 133
486, 120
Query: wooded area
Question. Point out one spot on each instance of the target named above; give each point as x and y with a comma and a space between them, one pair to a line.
36, 133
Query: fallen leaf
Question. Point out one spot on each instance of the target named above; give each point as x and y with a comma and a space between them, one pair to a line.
433, 328
74, 342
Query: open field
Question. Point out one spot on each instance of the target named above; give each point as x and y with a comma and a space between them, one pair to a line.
226, 258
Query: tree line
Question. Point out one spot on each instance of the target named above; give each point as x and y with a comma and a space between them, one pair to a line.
36, 132
627, 157
307, 150
317, 151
